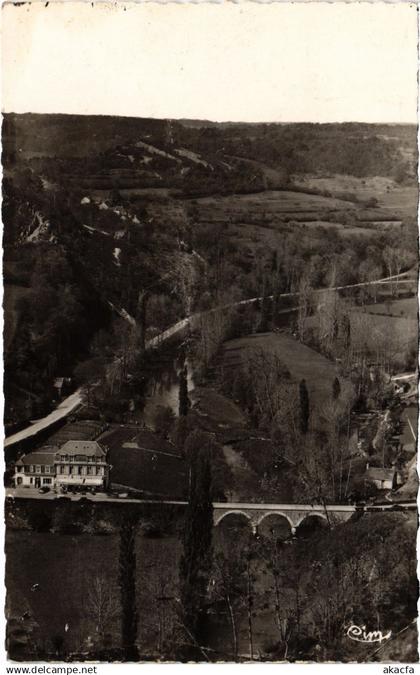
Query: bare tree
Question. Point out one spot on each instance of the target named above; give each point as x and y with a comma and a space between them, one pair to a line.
186, 271
102, 605
212, 329
305, 305
287, 569
328, 315
227, 586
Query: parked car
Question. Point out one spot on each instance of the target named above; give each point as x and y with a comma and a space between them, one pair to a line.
44, 489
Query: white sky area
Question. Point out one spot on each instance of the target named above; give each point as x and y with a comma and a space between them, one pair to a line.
320, 62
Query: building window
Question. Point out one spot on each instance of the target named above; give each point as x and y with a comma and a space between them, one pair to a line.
47, 469
47, 481
18, 469
31, 480
31, 468
42, 468
38, 468
19, 480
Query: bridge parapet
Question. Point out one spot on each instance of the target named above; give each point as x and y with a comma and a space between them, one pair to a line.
293, 514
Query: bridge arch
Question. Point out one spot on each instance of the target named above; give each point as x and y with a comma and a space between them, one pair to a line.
275, 524
316, 520
306, 516
279, 514
232, 512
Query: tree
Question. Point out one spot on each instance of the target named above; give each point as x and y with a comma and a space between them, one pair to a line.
163, 420
213, 327
336, 389
229, 588
330, 313
370, 271
180, 433
88, 373
196, 559
262, 385
249, 603
142, 301
184, 401
265, 313
127, 583
287, 566
101, 605
305, 295
304, 407
346, 330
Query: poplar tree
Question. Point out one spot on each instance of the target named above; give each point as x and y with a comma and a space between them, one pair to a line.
336, 389
184, 401
304, 407
195, 565
127, 583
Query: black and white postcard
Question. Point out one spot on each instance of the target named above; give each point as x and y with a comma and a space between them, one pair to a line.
210, 274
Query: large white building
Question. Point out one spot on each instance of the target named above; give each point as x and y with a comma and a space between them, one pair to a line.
78, 464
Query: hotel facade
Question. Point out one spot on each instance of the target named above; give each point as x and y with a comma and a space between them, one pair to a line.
77, 464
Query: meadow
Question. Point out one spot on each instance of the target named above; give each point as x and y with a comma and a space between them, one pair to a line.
393, 327
148, 463
301, 361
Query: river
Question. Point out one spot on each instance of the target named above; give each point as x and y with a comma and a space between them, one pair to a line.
163, 389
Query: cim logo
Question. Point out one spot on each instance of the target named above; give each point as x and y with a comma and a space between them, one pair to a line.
360, 634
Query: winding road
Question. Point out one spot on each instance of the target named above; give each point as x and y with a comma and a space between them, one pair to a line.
72, 402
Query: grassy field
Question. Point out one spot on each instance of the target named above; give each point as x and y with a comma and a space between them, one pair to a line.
301, 361
264, 219
148, 463
270, 202
403, 307
393, 199
219, 409
397, 333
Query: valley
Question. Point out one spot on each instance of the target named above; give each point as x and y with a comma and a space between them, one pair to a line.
230, 312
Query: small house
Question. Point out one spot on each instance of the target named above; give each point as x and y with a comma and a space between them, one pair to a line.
36, 469
384, 479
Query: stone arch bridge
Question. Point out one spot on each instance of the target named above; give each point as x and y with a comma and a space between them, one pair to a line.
294, 514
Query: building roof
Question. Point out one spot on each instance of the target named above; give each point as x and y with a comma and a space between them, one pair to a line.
377, 473
45, 455
90, 448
